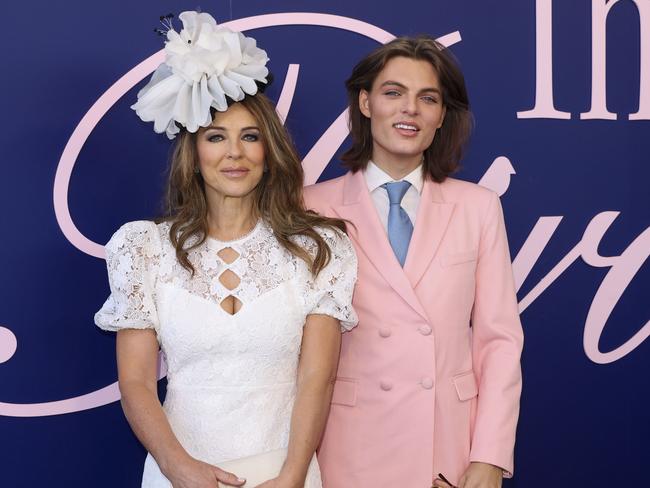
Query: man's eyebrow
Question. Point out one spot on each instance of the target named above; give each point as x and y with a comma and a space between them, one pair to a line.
431, 89
400, 85
395, 83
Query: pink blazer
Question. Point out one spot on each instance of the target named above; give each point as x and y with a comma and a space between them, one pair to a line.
430, 379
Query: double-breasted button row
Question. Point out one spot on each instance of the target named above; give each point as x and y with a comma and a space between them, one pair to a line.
425, 330
385, 332
426, 382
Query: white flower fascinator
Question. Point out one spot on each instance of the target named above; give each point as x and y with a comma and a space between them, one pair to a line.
204, 64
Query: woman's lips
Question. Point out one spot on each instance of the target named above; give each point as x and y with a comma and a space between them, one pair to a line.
235, 172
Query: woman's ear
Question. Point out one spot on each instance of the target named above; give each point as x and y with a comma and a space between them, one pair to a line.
364, 103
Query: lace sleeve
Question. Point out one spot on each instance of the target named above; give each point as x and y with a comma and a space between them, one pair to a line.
332, 289
132, 255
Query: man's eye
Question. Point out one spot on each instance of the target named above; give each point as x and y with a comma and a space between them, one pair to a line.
392, 93
430, 99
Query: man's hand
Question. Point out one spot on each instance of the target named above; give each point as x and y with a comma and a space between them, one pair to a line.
478, 475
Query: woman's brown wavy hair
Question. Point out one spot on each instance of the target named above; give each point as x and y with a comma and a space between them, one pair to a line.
443, 156
278, 196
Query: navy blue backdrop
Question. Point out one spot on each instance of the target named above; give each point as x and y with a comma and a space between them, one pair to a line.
584, 417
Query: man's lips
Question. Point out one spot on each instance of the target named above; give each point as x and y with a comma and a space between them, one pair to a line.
408, 129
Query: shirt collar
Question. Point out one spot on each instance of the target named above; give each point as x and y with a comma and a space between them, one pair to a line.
375, 177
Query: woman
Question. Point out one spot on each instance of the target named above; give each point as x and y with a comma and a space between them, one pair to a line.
430, 379
243, 290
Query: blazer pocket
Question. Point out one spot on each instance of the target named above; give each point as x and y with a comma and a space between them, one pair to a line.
466, 386
345, 392
458, 258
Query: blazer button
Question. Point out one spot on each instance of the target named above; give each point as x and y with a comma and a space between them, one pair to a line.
384, 332
386, 385
425, 330
427, 383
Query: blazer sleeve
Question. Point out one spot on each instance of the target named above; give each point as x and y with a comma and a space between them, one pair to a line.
496, 346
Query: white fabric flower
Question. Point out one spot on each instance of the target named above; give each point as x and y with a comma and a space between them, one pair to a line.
204, 64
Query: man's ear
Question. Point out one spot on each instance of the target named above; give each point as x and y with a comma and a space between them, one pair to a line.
364, 103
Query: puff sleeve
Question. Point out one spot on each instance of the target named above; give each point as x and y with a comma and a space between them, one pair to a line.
331, 290
132, 255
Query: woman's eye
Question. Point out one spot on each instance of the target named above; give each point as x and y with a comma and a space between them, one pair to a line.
251, 137
215, 138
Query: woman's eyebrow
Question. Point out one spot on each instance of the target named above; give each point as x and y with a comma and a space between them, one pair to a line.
220, 127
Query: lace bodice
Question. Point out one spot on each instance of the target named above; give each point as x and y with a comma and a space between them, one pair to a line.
140, 256
231, 377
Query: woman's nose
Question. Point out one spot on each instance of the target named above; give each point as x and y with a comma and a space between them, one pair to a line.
234, 150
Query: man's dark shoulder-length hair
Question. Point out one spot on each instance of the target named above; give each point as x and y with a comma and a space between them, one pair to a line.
443, 156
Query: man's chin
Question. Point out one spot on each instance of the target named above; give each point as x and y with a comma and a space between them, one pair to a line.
405, 153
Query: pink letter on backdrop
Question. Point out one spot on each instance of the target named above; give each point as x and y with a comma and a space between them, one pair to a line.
8, 344
544, 104
623, 269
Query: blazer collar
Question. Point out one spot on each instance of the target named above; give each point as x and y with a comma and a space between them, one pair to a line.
367, 231
432, 221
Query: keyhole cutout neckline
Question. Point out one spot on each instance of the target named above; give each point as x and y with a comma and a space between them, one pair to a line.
229, 280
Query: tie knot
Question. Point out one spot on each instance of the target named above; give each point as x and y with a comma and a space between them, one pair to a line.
396, 191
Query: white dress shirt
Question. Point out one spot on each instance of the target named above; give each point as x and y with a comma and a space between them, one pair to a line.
375, 177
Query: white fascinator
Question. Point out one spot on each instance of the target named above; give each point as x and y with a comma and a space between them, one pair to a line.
204, 64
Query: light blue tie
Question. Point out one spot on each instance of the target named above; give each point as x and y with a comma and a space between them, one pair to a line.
400, 227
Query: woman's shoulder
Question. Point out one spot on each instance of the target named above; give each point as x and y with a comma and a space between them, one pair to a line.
138, 234
336, 240
331, 235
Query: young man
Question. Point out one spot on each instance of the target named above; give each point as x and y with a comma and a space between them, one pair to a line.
429, 382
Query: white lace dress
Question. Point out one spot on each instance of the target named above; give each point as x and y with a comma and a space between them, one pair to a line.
231, 378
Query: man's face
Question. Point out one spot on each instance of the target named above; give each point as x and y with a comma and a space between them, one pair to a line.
405, 108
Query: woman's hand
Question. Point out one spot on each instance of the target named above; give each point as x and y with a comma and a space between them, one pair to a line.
193, 473
478, 475
282, 481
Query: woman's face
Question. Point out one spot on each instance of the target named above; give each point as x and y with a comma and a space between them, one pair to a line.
231, 153
405, 108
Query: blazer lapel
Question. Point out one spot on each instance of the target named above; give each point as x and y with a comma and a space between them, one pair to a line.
430, 226
367, 231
